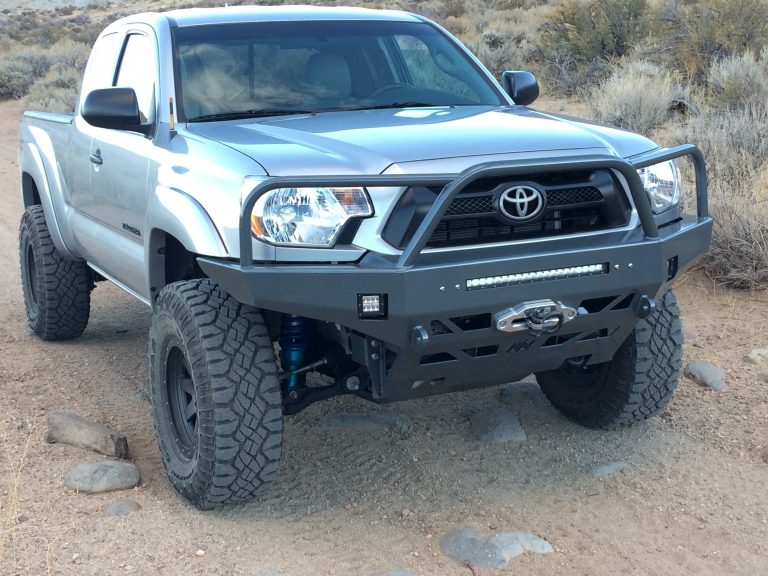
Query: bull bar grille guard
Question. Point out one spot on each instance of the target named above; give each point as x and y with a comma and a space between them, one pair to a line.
453, 186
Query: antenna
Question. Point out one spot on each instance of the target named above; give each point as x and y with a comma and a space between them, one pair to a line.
173, 118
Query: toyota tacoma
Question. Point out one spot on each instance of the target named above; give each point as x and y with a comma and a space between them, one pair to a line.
326, 201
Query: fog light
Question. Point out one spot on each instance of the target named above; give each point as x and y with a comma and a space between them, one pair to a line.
371, 306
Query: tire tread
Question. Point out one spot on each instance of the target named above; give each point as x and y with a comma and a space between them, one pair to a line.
644, 374
64, 285
244, 393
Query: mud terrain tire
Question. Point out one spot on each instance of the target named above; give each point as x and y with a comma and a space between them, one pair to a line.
215, 394
57, 291
636, 384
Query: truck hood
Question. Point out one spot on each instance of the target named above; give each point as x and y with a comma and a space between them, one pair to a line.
368, 142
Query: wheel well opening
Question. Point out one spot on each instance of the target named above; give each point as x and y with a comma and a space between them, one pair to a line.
29, 191
170, 262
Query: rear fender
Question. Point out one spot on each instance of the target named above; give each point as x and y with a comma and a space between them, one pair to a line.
39, 168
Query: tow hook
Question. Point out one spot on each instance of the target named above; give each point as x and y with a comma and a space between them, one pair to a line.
535, 317
645, 306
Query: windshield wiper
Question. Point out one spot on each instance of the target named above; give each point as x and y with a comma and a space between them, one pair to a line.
255, 113
395, 105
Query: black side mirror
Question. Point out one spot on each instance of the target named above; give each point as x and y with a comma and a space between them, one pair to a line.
522, 87
114, 108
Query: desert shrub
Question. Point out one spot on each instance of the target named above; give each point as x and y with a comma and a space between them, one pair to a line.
69, 54
500, 53
20, 69
455, 8
458, 26
738, 256
638, 96
738, 81
734, 144
582, 34
56, 91
694, 34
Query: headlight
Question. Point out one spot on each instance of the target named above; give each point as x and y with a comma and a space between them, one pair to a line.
307, 216
662, 183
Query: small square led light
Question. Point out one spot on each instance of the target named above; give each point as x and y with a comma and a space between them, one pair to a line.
372, 306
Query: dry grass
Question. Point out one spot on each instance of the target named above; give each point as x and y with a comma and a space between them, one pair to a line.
638, 96
734, 143
12, 526
738, 81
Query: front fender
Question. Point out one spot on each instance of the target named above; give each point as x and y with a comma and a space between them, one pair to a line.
178, 214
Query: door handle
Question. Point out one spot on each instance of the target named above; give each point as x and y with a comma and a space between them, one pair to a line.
96, 158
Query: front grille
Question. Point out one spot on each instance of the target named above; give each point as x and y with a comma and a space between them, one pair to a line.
581, 195
576, 202
489, 230
470, 205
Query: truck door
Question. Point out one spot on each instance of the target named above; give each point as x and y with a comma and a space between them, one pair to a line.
113, 233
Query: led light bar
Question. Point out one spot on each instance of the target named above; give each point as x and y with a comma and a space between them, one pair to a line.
538, 276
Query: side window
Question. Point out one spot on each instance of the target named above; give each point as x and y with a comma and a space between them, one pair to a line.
137, 71
102, 63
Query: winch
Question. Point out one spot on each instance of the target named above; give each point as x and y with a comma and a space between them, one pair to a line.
535, 317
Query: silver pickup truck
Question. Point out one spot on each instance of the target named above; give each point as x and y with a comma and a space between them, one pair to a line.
322, 201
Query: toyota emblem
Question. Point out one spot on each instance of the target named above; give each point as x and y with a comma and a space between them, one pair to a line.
521, 203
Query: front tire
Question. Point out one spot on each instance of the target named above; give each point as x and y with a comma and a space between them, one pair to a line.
636, 384
215, 394
57, 291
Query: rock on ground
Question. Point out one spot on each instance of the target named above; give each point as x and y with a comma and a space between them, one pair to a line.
368, 422
497, 425
758, 356
706, 374
607, 469
122, 508
68, 428
516, 392
469, 545
107, 476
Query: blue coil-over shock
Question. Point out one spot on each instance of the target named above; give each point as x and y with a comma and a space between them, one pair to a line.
293, 347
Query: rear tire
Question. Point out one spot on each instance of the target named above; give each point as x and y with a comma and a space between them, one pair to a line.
636, 384
57, 291
215, 394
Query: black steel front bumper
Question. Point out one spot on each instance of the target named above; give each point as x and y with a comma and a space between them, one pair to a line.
439, 333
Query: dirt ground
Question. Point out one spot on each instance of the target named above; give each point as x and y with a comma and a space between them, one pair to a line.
692, 501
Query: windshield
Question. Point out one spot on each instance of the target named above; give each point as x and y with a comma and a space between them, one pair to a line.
269, 68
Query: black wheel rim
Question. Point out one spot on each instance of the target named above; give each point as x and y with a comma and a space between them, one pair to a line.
182, 399
31, 278
584, 375
585, 382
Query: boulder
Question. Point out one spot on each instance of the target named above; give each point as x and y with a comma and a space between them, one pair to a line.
68, 428
497, 425
706, 374
469, 545
107, 476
